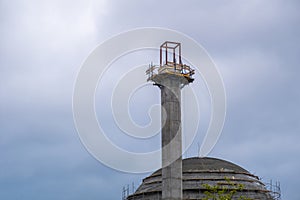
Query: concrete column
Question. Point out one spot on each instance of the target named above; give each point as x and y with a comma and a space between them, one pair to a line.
171, 138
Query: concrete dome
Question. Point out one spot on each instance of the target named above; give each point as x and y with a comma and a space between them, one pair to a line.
198, 171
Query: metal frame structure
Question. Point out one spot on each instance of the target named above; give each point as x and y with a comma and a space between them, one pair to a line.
174, 67
173, 46
274, 189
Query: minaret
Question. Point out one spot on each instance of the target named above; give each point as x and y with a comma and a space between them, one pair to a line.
171, 76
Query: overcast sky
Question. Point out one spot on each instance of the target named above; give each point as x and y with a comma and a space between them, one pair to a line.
255, 45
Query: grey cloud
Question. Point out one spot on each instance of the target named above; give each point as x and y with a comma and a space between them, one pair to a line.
255, 45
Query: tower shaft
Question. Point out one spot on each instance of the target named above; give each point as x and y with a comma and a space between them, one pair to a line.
171, 139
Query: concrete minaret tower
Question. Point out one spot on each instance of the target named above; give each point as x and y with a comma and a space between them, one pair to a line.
171, 76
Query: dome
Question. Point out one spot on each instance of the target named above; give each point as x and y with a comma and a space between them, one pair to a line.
199, 171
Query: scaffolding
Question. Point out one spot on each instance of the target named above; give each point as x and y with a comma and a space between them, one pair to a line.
126, 191
170, 63
274, 189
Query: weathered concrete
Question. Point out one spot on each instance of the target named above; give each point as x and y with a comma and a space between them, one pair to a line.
171, 140
171, 135
199, 171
